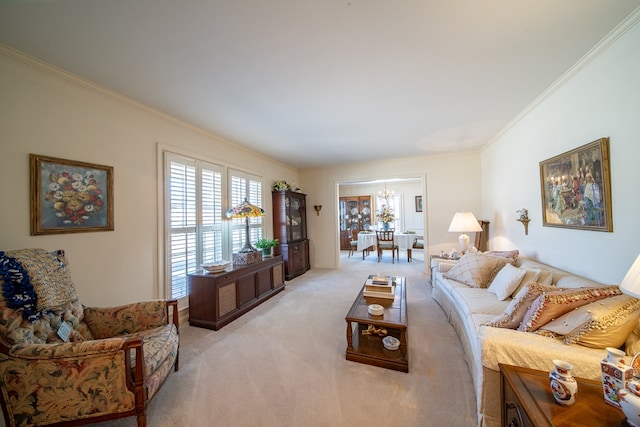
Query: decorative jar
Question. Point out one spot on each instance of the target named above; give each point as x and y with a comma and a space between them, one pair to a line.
563, 386
615, 375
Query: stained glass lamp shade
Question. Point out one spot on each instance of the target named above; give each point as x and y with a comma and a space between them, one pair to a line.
246, 210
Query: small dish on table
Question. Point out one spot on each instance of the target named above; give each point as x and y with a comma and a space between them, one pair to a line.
216, 267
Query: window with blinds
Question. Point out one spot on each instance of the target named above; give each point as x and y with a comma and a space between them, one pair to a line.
244, 185
193, 218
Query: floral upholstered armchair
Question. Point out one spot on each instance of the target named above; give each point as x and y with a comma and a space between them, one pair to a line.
63, 363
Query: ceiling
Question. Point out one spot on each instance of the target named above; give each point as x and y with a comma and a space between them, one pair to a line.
319, 82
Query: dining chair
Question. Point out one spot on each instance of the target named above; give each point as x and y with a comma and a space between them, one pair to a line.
353, 242
385, 241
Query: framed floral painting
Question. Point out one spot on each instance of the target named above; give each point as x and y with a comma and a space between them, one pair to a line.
68, 196
576, 188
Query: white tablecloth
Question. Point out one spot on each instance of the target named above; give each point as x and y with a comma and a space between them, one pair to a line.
404, 241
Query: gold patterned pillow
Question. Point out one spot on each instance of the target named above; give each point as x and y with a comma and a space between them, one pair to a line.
551, 305
477, 270
600, 324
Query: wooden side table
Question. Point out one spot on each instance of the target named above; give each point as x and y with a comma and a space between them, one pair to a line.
527, 401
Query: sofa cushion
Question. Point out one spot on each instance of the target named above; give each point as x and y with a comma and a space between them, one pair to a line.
478, 301
551, 305
477, 270
600, 324
517, 308
506, 281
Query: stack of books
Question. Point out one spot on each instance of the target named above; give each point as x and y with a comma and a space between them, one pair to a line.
379, 287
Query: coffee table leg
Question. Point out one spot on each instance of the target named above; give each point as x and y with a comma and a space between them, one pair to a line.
403, 341
349, 336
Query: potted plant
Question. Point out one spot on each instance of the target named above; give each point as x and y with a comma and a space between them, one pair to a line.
266, 245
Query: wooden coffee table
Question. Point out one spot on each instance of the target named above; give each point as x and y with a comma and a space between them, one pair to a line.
369, 348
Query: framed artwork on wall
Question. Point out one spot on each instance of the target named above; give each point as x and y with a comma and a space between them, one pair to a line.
68, 196
576, 188
418, 203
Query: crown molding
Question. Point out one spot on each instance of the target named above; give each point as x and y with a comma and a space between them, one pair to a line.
628, 23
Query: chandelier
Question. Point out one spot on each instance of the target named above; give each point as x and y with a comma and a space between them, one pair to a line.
385, 194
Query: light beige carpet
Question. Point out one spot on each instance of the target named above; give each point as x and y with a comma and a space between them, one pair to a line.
283, 363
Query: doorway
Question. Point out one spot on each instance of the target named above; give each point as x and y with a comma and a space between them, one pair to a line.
406, 195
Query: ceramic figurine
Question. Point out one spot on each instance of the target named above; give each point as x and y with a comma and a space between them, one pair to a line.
629, 400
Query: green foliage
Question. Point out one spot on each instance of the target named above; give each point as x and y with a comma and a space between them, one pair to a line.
266, 243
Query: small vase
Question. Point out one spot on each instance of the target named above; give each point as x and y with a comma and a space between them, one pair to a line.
266, 252
385, 226
563, 386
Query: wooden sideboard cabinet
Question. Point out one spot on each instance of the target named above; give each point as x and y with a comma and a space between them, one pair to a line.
290, 228
216, 299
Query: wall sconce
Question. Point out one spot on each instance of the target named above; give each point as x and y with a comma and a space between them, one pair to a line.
524, 219
318, 208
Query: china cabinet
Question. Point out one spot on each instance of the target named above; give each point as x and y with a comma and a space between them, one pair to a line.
355, 216
290, 228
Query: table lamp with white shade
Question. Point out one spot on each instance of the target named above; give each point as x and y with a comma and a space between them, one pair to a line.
464, 222
631, 283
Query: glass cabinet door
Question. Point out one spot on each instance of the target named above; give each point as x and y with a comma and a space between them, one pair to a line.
365, 213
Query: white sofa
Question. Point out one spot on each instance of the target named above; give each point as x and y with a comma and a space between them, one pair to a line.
469, 308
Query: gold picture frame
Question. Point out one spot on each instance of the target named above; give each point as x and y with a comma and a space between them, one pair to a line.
576, 188
68, 196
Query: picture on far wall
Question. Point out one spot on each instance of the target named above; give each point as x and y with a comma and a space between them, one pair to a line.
576, 188
418, 203
69, 196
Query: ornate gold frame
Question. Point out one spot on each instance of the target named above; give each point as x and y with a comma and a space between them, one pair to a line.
69, 196
569, 182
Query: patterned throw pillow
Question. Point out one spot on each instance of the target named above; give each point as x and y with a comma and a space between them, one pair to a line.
551, 305
513, 254
49, 277
517, 308
477, 270
600, 324
506, 281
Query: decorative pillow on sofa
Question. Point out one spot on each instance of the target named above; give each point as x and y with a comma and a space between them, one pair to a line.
551, 305
632, 344
506, 254
517, 308
477, 270
600, 324
506, 281
49, 277
530, 276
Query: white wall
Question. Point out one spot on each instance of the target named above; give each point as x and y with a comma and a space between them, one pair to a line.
46, 112
601, 98
451, 184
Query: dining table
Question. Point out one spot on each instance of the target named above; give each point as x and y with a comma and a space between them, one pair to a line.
404, 241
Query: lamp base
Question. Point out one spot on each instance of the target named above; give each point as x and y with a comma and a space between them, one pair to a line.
463, 240
247, 258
